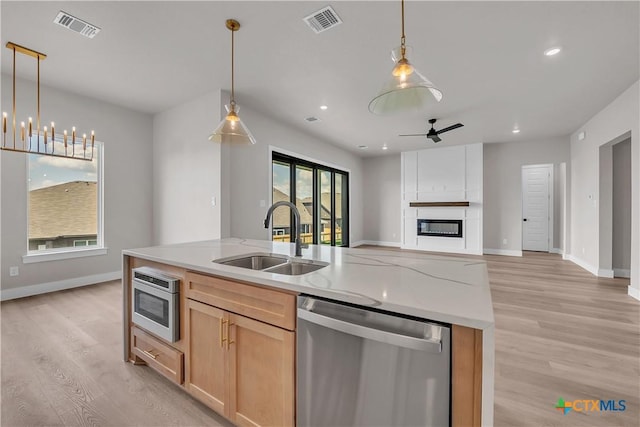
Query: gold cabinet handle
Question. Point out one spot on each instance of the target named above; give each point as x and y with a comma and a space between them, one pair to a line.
151, 355
222, 328
229, 340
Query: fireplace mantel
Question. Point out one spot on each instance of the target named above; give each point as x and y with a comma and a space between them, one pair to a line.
437, 204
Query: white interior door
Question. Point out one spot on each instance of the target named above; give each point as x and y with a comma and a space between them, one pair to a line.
536, 207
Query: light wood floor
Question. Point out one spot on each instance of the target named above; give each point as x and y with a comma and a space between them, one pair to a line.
62, 365
560, 332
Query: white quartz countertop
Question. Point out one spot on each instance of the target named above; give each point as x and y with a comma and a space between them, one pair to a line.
441, 288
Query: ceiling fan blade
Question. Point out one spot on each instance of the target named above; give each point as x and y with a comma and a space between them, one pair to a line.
447, 129
415, 134
435, 138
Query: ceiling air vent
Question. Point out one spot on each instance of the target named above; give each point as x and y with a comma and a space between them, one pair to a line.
312, 119
323, 19
76, 24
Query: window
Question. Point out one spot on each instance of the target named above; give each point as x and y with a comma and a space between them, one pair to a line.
321, 194
64, 203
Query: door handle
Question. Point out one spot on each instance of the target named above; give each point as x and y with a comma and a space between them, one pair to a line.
524, 219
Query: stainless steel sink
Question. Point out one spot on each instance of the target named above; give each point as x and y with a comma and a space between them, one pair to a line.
295, 268
254, 261
272, 263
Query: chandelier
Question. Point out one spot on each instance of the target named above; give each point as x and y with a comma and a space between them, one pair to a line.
43, 140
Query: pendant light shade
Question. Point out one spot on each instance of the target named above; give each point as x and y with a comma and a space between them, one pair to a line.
406, 89
231, 129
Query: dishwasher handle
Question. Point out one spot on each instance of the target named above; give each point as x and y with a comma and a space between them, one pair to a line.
422, 344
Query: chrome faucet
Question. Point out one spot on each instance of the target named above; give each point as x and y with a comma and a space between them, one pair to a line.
296, 221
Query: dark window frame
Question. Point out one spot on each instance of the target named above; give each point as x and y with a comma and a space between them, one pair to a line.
316, 168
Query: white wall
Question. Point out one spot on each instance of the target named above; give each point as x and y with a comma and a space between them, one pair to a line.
503, 189
622, 206
444, 174
246, 172
186, 172
615, 120
127, 138
382, 208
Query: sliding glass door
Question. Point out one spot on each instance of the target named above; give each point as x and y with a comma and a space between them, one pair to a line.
321, 195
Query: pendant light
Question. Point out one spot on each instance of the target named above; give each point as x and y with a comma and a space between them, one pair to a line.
406, 89
231, 129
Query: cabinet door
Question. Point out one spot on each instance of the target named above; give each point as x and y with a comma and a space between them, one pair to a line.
206, 357
261, 373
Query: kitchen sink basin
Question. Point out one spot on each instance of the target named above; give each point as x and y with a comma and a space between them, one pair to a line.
254, 261
295, 268
272, 263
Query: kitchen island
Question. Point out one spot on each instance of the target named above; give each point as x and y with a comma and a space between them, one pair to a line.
444, 289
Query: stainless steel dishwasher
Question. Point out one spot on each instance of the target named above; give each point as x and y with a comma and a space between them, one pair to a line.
359, 367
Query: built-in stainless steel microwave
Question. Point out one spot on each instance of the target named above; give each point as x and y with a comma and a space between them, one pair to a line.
155, 302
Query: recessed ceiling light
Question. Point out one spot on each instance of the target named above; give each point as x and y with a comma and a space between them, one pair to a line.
552, 51
362, 147
516, 131
323, 107
384, 147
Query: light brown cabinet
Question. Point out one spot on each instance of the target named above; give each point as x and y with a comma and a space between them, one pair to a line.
241, 367
207, 358
158, 355
261, 373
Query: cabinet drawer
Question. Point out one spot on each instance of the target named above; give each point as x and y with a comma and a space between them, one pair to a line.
160, 356
267, 305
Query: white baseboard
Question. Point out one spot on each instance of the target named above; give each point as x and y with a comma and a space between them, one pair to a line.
556, 251
605, 272
621, 272
42, 288
634, 292
506, 252
444, 251
581, 263
375, 243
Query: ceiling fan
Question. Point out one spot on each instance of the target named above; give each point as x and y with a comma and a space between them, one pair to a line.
433, 134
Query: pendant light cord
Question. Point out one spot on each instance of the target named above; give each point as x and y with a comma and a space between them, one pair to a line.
233, 100
402, 39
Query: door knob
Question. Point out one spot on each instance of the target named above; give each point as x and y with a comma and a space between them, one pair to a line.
524, 219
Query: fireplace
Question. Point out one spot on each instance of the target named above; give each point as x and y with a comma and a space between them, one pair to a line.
440, 227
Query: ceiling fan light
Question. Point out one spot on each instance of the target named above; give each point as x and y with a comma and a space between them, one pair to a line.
232, 130
407, 94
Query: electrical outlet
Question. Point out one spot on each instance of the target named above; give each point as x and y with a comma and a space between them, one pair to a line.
263, 203
213, 201
504, 241
14, 271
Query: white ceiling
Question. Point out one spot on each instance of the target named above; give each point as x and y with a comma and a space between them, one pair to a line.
486, 57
